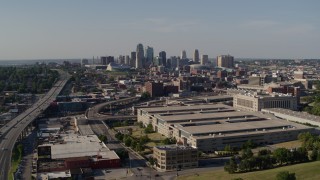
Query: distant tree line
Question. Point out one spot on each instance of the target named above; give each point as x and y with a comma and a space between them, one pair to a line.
265, 159
30, 79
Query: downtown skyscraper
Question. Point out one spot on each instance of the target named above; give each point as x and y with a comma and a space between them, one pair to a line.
140, 57
225, 61
184, 54
204, 59
163, 57
148, 56
196, 57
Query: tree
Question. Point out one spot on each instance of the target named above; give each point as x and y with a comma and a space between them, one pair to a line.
152, 161
264, 161
145, 96
281, 155
231, 166
119, 136
285, 175
227, 147
130, 131
148, 129
244, 165
309, 141
127, 141
103, 138
144, 139
248, 144
139, 147
302, 154
264, 152
314, 155
246, 153
169, 141
133, 144
123, 154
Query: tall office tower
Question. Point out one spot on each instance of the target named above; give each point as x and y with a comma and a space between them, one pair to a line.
168, 63
133, 59
121, 59
204, 59
163, 57
148, 55
174, 62
226, 61
183, 54
157, 61
140, 57
127, 60
196, 56
103, 60
110, 59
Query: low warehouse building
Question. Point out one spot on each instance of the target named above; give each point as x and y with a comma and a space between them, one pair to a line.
211, 127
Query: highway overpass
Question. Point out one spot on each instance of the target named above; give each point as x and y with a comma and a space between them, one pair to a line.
93, 113
12, 130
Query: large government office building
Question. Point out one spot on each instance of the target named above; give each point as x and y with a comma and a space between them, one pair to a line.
210, 127
255, 101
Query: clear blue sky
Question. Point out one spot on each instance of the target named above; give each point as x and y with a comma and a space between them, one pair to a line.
84, 28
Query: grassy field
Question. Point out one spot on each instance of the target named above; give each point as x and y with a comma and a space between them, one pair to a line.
155, 137
137, 132
303, 171
289, 144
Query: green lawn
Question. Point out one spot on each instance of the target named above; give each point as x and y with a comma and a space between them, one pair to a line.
137, 132
155, 137
289, 144
303, 171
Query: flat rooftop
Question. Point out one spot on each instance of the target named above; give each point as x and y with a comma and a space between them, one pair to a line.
54, 175
81, 146
302, 115
201, 115
230, 128
204, 121
174, 109
215, 97
174, 147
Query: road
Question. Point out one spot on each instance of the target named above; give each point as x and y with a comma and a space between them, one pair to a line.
93, 112
11, 131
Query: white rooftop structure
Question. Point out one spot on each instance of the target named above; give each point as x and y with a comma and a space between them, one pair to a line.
81, 146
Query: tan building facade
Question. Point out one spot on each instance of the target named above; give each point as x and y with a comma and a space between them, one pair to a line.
256, 102
173, 157
225, 61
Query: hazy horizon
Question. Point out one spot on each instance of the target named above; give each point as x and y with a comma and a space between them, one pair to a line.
35, 29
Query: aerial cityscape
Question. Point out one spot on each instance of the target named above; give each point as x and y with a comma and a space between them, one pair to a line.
186, 90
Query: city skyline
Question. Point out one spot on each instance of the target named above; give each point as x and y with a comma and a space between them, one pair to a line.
80, 29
